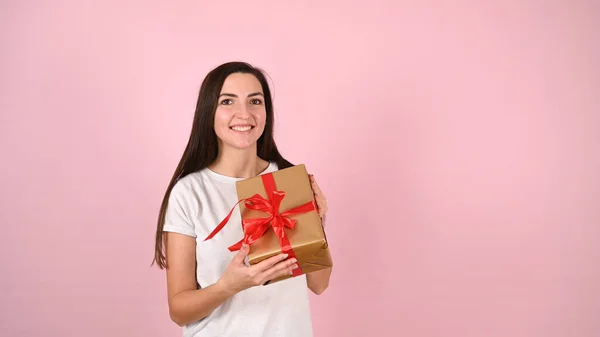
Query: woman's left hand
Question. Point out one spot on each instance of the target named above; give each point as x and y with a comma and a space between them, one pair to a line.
319, 197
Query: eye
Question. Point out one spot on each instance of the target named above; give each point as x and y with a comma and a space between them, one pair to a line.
256, 101
226, 101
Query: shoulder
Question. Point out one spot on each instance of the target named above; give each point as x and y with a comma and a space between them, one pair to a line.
188, 190
183, 205
186, 184
185, 199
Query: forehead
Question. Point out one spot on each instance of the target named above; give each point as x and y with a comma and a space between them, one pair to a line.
241, 84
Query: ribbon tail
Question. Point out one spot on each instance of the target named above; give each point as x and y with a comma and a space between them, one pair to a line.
223, 222
237, 246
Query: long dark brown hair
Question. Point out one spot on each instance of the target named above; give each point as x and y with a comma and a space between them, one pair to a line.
202, 149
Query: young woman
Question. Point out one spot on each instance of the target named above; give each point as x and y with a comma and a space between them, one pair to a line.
211, 292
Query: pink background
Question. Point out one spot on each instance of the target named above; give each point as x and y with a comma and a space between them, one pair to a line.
457, 144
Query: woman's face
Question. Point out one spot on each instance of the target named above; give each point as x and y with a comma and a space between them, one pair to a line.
241, 113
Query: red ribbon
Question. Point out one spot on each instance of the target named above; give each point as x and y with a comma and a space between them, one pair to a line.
254, 228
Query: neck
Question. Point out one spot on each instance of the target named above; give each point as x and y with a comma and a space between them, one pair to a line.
238, 163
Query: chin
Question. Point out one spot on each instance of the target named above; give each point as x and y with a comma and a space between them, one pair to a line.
246, 147
241, 146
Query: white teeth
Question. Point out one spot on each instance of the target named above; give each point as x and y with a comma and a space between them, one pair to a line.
241, 128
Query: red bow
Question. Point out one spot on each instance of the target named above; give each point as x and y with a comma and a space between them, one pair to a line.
254, 228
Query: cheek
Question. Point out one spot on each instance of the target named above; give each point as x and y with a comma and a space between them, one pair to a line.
260, 118
221, 119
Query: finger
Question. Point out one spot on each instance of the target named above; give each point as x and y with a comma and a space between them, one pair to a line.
270, 262
284, 272
313, 180
320, 199
321, 205
241, 255
317, 190
281, 269
318, 207
322, 210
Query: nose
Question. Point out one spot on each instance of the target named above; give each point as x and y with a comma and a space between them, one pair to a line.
243, 112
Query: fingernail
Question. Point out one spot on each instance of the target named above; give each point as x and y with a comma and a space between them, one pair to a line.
293, 260
284, 256
294, 266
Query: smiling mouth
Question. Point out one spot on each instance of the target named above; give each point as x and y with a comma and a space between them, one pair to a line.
241, 128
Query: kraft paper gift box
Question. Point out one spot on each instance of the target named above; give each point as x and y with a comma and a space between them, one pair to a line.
279, 214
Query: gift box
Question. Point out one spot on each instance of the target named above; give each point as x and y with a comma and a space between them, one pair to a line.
279, 214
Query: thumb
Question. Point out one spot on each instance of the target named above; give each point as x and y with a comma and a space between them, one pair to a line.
242, 253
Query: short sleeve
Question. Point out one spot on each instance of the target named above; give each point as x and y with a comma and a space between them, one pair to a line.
177, 217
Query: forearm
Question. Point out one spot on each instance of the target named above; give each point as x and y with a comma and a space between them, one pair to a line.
192, 305
318, 281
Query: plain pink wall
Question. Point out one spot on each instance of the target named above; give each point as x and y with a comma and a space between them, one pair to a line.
457, 145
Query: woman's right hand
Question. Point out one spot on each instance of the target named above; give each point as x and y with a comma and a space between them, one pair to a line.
238, 276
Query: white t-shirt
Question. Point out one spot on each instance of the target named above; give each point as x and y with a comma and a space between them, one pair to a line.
198, 203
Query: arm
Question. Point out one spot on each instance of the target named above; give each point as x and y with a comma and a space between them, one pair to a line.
318, 281
188, 304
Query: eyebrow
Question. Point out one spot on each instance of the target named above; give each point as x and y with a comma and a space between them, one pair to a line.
249, 95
